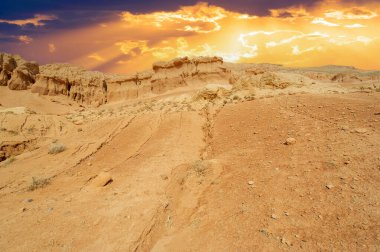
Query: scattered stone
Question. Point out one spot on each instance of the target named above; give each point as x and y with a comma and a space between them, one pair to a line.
275, 217
23, 209
345, 128
251, 182
286, 213
285, 241
264, 231
360, 130
103, 179
347, 162
290, 141
68, 199
27, 200
329, 186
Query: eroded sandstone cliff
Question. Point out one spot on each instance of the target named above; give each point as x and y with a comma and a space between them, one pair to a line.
17, 73
96, 88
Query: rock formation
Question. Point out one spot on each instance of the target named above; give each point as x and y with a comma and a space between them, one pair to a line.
166, 76
95, 88
75, 82
17, 73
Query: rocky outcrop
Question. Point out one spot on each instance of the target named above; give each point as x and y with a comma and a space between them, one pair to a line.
120, 87
80, 85
17, 73
188, 72
343, 77
97, 88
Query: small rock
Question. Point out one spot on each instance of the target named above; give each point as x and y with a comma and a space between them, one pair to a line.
89, 164
290, 141
23, 209
344, 127
347, 162
275, 217
103, 179
286, 213
250, 182
28, 200
68, 199
329, 186
361, 130
285, 241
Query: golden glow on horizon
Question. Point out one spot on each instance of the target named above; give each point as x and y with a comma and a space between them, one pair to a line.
331, 33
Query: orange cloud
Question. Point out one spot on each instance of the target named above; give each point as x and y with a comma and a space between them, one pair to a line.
25, 39
351, 13
51, 48
202, 18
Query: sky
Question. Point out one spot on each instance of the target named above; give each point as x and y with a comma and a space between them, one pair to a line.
127, 36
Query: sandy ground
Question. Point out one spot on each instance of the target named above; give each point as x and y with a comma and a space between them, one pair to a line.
173, 174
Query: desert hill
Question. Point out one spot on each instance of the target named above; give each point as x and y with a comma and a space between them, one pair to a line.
195, 154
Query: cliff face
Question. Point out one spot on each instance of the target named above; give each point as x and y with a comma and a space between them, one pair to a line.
78, 84
96, 88
131, 86
17, 73
188, 72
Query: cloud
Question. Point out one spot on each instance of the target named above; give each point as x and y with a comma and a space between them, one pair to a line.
51, 48
355, 26
199, 18
96, 57
132, 47
25, 39
290, 12
37, 20
351, 13
297, 51
322, 21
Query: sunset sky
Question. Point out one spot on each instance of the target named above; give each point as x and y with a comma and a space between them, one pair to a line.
127, 36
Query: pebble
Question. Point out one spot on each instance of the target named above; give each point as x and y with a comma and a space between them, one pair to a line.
273, 216
28, 200
361, 130
329, 186
285, 241
250, 182
290, 141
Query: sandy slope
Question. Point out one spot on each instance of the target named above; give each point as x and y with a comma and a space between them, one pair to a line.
192, 175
